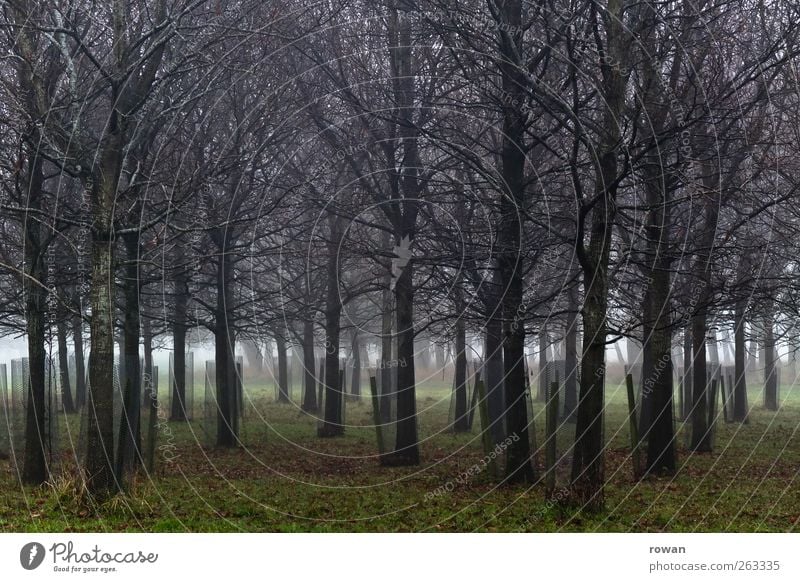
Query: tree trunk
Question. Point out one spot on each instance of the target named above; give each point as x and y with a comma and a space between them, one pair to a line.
656, 422
387, 365
30, 84
127, 86
686, 385
739, 363
63, 367
34, 471
309, 365
461, 421
494, 366
514, 409
100, 434
178, 387
543, 346
406, 447
224, 342
147, 341
80, 367
770, 371
588, 466
120, 362
283, 366
355, 378
129, 445
404, 217
701, 437
571, 356
332, 424
150, 403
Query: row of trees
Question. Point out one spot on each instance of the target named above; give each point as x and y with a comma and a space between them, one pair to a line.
389, 169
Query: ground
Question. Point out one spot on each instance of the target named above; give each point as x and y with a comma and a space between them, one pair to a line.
286, 479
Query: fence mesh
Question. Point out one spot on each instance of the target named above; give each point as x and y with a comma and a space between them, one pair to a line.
5, 414
14, 413
20, 378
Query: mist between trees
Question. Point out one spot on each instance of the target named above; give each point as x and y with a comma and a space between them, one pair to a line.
401, 186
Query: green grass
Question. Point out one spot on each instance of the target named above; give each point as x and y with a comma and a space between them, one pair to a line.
286, 479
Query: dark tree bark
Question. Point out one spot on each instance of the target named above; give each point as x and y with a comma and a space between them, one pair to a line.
509, 253
67, 400
494, 363
150, 386
179, 330
120, 362
128, 84
30, 86
355, 378
686, 384
656, 422
80, 366
283, 366
147, 341
332, 423
309, 365
406, 447
224, 342
34, 470
770, 371
571, 356
387, 368
588, 466
543, 347
701, 437
461, 421
402, 213
129, 445
100, 440
739, 363
103, 190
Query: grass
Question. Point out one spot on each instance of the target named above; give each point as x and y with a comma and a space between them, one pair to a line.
285, 479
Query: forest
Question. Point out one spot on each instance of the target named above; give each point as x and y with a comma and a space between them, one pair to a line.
399, 265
